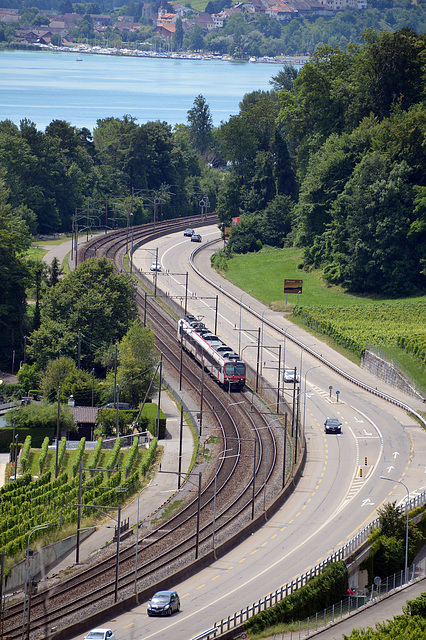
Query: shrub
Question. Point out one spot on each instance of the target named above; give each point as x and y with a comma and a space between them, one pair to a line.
43, 454
25, 453
319, 593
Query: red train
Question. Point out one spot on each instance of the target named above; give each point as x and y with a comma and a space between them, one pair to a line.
217, 358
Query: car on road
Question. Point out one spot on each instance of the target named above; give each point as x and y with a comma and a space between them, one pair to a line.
195, 237
290, 375
332, 425
156, 266
163, 603
188, 232
100, 634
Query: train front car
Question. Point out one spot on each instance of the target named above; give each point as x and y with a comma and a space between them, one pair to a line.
216, 357
235, 374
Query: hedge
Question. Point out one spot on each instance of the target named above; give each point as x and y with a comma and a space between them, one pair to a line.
319, 593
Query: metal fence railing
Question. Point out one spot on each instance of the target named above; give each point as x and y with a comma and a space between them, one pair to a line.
238, 618
349, 605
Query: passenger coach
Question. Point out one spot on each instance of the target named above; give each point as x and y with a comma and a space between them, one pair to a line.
217, 358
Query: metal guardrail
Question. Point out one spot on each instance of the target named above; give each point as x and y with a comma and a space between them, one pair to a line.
351, 604
239, 617
306, 348
350, 547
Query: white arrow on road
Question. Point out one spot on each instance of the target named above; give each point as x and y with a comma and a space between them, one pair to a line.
358, 420
367, 502
390, 468
395, 453
367, 433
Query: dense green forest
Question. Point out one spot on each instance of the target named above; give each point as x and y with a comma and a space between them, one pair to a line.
335, 163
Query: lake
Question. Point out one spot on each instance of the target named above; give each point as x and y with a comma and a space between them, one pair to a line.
45, 86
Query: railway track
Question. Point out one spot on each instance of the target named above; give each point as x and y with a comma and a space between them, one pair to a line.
247, 469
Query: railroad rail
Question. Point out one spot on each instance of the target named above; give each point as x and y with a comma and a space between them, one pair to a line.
248, 470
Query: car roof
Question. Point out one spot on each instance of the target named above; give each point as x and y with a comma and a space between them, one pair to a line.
333, 420
163, 593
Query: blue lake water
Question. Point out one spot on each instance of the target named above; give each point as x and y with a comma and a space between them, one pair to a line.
45, 86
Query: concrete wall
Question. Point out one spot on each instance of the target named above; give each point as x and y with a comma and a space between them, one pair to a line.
42, 561
387, 372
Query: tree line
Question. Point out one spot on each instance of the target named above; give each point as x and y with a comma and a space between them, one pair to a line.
334, 162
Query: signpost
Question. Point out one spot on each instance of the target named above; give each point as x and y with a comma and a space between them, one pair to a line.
292, 286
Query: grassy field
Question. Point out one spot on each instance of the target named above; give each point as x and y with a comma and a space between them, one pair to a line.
386, 323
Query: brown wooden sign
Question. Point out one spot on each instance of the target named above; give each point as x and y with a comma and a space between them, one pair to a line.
293, 286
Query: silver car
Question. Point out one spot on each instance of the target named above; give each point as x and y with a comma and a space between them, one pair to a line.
100, 634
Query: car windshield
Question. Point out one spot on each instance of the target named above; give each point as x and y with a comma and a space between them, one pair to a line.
96, 635
333, 421
161, 598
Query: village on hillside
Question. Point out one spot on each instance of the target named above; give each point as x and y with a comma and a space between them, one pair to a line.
163, 22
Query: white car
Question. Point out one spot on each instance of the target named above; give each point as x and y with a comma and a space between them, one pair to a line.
156, 266
290, 376
100, 634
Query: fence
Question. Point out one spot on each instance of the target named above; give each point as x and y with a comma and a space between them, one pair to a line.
238, 618
350, 604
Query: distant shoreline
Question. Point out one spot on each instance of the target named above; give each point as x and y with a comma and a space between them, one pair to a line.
80, 49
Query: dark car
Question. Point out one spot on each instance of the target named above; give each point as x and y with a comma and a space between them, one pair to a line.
188, 232
122, 406
332, 425
163, 603
195, 237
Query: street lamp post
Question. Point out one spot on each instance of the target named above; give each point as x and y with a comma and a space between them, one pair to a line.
239, 330
306, 346
214, 498
197, 536
27, 609
137, 546
304, 400
406, 523
293, 326
57, 432
261, 342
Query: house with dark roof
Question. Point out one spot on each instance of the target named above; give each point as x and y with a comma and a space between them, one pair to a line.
204, 20
101, 20
33, 36
85, 418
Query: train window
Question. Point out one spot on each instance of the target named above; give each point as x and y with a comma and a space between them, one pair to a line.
235, 369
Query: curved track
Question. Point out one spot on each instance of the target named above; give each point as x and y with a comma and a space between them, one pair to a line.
231, 490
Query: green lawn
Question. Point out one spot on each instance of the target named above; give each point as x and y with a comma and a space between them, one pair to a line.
347, 321
264, 272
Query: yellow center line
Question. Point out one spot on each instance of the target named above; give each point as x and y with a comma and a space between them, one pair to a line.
215, 578
252, 553
201, 586
240, 561
264, 544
